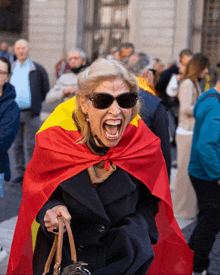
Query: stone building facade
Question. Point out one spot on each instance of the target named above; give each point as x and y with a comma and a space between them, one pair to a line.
161, 28
10, 37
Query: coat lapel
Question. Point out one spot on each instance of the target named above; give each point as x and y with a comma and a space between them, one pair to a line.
80, 188
120, 185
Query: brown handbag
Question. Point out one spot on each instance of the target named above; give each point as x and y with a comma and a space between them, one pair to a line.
76, 268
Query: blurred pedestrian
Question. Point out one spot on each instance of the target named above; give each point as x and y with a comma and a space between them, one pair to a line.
170, 63
172, 92
140, 64
155, 63
153, 111
66, 85
184, 57
9, 125
163, 81
62, 66
160, 69
173, 85
125, 50
184, 198
204, 171
9, 116
213, 72
4, 50
114, 54
12, 55
31, 84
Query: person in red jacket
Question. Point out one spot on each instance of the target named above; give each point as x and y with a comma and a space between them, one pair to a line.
62, 66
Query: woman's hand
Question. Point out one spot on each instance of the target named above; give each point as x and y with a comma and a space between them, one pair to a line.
50, 218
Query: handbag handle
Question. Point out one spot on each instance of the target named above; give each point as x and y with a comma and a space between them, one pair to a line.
58, 246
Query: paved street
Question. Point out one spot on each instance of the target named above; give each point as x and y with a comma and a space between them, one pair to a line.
11, 201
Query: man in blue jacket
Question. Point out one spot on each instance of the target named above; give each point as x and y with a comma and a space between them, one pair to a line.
4, 50
204, 171
31, 84
153, 111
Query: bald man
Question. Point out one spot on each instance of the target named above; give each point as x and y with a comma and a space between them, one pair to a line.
31, 84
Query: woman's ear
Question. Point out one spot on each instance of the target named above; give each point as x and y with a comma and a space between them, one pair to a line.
84, 103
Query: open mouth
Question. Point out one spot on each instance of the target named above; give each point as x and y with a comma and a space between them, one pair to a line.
112, 128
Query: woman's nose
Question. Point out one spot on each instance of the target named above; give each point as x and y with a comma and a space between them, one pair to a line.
115, 108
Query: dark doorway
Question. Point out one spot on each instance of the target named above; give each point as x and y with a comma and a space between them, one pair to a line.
11, 16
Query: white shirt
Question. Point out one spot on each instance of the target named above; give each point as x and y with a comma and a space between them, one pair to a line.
172, 87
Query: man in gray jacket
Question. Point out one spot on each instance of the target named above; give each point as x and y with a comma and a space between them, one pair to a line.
65, 87
31, 85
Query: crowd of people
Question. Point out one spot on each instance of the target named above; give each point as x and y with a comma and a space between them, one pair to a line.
120, 116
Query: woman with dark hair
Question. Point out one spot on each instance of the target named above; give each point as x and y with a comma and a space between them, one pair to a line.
97, 164
9, 124
9, 116
184, 198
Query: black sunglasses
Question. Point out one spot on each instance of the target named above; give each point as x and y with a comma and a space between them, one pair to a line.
104, 101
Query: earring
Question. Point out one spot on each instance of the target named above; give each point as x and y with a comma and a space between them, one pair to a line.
87, 119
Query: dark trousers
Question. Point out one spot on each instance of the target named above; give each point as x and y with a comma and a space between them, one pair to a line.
208, 221
28, 127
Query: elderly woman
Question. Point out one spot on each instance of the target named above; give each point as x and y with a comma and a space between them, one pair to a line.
97, 164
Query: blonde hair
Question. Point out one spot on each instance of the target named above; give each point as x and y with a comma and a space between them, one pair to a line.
88, 80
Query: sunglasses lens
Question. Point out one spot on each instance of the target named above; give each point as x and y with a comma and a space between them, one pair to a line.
127, 100
102, 101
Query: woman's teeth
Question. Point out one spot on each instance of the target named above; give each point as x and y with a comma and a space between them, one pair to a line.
112, 128
112, 136
113, 122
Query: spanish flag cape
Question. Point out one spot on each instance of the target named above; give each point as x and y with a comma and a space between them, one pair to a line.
58, 157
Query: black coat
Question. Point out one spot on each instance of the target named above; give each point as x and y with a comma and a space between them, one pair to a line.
113, 225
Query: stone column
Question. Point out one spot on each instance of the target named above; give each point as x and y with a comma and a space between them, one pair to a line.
183, 25
52, 30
